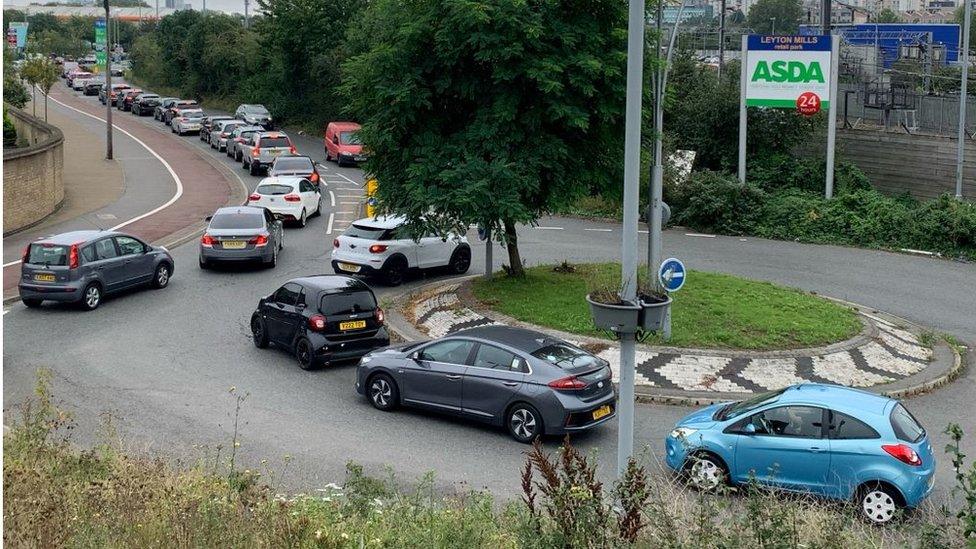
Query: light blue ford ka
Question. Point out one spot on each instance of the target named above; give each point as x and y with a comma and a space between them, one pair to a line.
827, 440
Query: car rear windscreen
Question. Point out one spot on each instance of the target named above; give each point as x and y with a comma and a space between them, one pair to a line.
275, 142
567, 357
369, 233
286, 163
345, 304
237, 221
905, 425
274, 189
48, 254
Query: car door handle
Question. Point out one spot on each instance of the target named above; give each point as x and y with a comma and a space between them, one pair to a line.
816, 449
510, 383
453, 377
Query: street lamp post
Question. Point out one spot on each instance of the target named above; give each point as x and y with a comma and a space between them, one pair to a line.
721, 40
773, 31
961, 145
108, 83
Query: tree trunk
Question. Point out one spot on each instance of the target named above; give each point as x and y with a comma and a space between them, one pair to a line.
34, 99
514, 258
45, 107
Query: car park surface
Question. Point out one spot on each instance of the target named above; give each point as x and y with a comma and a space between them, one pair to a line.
827, 440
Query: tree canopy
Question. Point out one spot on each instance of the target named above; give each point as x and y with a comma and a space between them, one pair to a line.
492, 112
784, 14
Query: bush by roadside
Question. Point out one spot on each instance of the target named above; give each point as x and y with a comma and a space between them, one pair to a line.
57, 496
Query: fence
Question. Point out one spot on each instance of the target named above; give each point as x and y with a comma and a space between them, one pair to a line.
934, 115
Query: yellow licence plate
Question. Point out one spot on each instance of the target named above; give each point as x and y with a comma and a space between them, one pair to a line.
349, 267
602, 411
352, 325
44, 277
234, 244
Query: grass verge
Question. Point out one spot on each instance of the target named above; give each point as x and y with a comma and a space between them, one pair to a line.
57, 496
711, 311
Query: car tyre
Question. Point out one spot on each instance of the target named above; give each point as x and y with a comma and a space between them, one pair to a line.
91, 297
705, 472
274, 258
383, 393
303, 219
245, 166
305, 355
204, 264
318, 207
878, 503
253, 169
460, 260
394, 272
524, 423
161, 276
258, 332
31, 303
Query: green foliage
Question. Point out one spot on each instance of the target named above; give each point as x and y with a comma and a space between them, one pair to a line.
959, 16
14, 91
712, 201
9, 132
786, 14
886, 15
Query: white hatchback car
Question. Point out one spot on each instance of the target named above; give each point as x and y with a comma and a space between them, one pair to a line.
375, 247
295, 198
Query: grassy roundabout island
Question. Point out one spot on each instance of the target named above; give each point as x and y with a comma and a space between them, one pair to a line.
712, 310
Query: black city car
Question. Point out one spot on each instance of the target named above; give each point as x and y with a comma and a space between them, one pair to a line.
321, 319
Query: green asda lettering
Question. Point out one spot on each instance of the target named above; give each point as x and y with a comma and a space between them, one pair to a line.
788, 71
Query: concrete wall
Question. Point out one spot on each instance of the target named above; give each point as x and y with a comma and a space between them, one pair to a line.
924, 166
33, 175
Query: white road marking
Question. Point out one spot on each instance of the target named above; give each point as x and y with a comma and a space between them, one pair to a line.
600, 230
700, 235
550, 228
354, 203
332, 198
641, 232
331, 219
349, 180
172, 173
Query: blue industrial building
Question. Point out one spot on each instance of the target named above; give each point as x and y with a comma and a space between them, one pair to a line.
890, 37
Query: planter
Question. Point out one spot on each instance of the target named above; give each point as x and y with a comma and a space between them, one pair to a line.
617, 317
652, 314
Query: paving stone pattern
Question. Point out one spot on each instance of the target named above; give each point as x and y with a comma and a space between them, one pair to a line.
894, 354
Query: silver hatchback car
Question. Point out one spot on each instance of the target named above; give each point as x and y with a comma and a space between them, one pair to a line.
82, 266
241, 233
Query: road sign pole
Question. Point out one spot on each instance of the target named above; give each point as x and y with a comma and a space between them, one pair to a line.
108, 84
961, 145
832, 114
743, 75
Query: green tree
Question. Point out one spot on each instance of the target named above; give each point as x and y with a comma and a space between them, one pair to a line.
887, 15
13, 89
960, 17
784, 14
492, 112
46, 74
29, 72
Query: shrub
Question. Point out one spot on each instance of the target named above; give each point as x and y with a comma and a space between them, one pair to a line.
712, 201
9, 132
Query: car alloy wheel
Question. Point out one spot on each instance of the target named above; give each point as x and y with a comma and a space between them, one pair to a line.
461, 260
524, 424
92, 297
258, 332
381, 392
706, 474
878, 505
304, 354
303, 220
162, 276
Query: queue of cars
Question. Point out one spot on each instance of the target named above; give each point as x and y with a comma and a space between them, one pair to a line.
830, 441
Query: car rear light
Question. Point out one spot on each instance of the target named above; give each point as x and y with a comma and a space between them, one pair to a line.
259, 240
316, 323
380, 315
292, 150
335, 244
378, 248
23, 256
254, 196
568, 383
73, 257
224, 134
903, 453
256, 152
207, 241
314, 177
292, 198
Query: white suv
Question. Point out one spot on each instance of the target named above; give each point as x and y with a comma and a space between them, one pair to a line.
374, 247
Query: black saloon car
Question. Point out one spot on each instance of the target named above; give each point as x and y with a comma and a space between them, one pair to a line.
321, 319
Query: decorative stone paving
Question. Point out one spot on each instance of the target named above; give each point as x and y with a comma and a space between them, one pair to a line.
893, 354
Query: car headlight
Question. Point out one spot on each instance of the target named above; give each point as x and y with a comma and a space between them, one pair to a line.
365, 359
683, 432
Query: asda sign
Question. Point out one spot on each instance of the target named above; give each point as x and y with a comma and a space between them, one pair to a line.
781, 69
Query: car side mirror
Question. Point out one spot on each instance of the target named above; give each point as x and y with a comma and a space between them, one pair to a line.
299, 306
415, 356
208, 218
749, 429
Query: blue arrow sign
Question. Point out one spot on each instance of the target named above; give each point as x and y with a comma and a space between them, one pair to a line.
672, 274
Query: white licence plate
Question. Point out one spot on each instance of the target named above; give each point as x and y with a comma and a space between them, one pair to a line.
349, 267
234, 244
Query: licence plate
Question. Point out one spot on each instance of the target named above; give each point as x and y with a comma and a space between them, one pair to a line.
349, 267
44, 277
275, 152
360, 158
602, 411
352, 325
234, 244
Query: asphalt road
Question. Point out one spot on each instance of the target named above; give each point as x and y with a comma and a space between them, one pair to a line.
162, 362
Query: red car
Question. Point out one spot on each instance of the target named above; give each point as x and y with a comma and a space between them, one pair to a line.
342, 145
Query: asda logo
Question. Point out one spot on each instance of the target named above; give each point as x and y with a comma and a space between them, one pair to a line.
794, 72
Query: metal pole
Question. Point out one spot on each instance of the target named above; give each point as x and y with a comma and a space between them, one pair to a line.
721, 40
632, 131
743, 75
489, 264
108, 83
825, 17
247, 22
157, 11
773, 29
961, 146
832, 114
